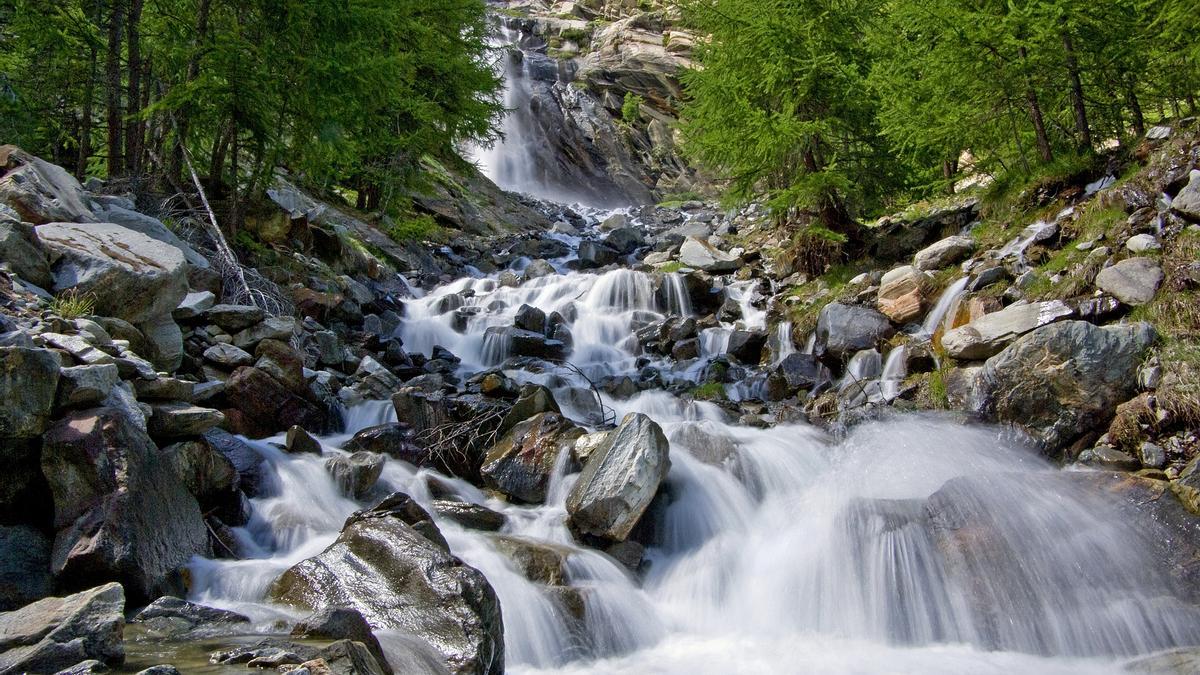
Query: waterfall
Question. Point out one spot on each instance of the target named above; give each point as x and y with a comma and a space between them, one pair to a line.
894, 372
934, 319
781, 343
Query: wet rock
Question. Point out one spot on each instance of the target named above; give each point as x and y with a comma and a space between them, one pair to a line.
455, 431
396, 439
530, 319
23, 251
944, 253
470, 516
991, 333
400, 579
593, 255
843, 330
342, 623
210, 477
901, 297
131, 276
56, 633
537, 561
699, 254
1181, 661
297, 441
521, 463
261, 405
707, 442
177, 420
620, 479
1063, 381
686, 350
24, 566
1104, 457
533, 399
269, 653
120, 510
795, 373
1134, 281
171, 616
86, 668
625, 240
747, 346
235, 318
252, 477
355, 474
28, 384
538, 269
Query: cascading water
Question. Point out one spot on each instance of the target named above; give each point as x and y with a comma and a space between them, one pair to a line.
916, 544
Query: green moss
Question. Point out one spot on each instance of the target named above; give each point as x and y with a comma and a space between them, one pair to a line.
713, 391
673, 266
414, 228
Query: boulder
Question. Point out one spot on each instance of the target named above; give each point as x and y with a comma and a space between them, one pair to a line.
991, 333
747, 346
23, 251
28, 385
843, 330
342, 623
1143, 243
194, 305
130, 275
537, 561
470, 516
234, 318
537, 269
901, 297
40, 192
279, 328
795, 373
210, 476
1063, 382
85, 386
521, 463
56, 633
530, 319
385, 565
297, 441
699, 254
625, 240
1133, 281
24, 566
593, 254
246, 461
178, 420
120, 510
356, 474
944, 253
261, 405
1187, 202
620, 479
171, 616
151, 227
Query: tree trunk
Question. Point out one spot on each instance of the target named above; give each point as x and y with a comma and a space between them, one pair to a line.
949, 171
1035, 114
135, 129
220, 148
234, 195
1135, 108
112, 69
1077, 100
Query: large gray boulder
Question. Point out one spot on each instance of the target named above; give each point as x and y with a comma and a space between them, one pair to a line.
28, 383
944, 253
23, 251
843, 330
39, 191
990, 333
131, 276
1187, 202
24, 566
120, 510
393, 566
620, 479
1133, 281
151, 227
1063, 381
699, 254
56, 633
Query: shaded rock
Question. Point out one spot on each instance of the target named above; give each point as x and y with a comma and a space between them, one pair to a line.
470, 516
246, 460
399, 579
746, 346
177, 420
533, 399
28, 384
194, 305
23, 251
530, 319
120, 510
625, 240
165, 389
843, 330
944, 253
299, 441
1063, 381
169, 615
78, 347
702, 255
345, 657
1133, 281
593, 254
235, 318
537, 561
795, 373
273, 328
355, 474
990, 333
56, 633
521, 463
1187, 202
24, 566
342, 623
620, 479
82, 386
261, 405
130, 275
210, 476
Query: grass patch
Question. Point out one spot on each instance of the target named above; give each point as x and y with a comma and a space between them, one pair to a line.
413, 228
712, 391
671, 267
71, 304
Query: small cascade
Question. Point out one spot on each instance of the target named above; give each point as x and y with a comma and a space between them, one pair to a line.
933, 320
895, 369
1015, 249
780, 343
678, 301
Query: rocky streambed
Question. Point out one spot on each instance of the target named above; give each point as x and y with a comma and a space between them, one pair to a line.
623, 443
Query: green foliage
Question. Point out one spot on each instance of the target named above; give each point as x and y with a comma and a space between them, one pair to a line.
671, 267
413, 228
631, 110
71, 304
712, 391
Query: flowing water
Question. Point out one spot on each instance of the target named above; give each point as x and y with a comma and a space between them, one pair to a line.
915, 544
